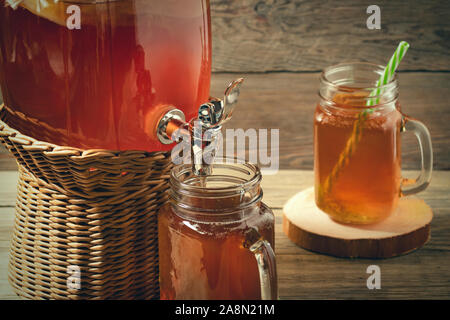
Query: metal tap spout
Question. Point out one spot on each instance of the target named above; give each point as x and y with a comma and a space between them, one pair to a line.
203, 130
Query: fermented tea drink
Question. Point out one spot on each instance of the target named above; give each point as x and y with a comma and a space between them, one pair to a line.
101, 85
210, 233
357, 146
367, 187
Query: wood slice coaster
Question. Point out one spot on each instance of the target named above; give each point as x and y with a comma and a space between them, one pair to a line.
404, 231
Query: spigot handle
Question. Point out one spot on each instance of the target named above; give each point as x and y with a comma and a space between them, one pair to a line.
216, 112
230, 99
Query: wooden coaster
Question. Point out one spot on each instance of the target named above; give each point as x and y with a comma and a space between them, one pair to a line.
404, 231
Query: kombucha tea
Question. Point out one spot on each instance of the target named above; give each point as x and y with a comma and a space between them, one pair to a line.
207, 259
367, 187
98, 86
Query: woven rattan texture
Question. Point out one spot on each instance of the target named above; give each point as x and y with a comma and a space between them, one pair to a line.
93, 209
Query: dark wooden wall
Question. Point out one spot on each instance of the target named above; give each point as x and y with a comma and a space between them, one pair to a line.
305, 35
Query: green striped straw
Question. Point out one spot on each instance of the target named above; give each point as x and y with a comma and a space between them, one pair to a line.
355, 136
388, 72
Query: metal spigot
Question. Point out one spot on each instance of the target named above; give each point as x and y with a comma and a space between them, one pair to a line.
203, 130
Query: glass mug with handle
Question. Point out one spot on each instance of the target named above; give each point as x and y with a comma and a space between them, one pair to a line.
357, 147
216, 236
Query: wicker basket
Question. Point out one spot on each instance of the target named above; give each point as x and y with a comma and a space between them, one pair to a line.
95, 210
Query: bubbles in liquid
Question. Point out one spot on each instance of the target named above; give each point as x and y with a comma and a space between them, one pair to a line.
378, 120
348, 106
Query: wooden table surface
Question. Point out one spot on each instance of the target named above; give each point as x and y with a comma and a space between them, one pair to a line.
423, 274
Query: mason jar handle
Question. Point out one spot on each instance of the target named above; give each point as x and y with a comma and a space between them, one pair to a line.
423, 137
265, 259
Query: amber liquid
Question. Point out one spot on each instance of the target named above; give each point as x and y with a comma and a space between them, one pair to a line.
367, 187
98, 87
207, 260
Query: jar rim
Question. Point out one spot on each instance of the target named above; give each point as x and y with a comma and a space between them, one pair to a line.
250, 177
240, 186
390, 87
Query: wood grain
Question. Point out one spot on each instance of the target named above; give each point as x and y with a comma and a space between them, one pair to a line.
402, 232
300, 35
286, 101
423, 274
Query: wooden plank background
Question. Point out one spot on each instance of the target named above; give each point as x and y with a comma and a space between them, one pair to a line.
297, 36
302, 35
